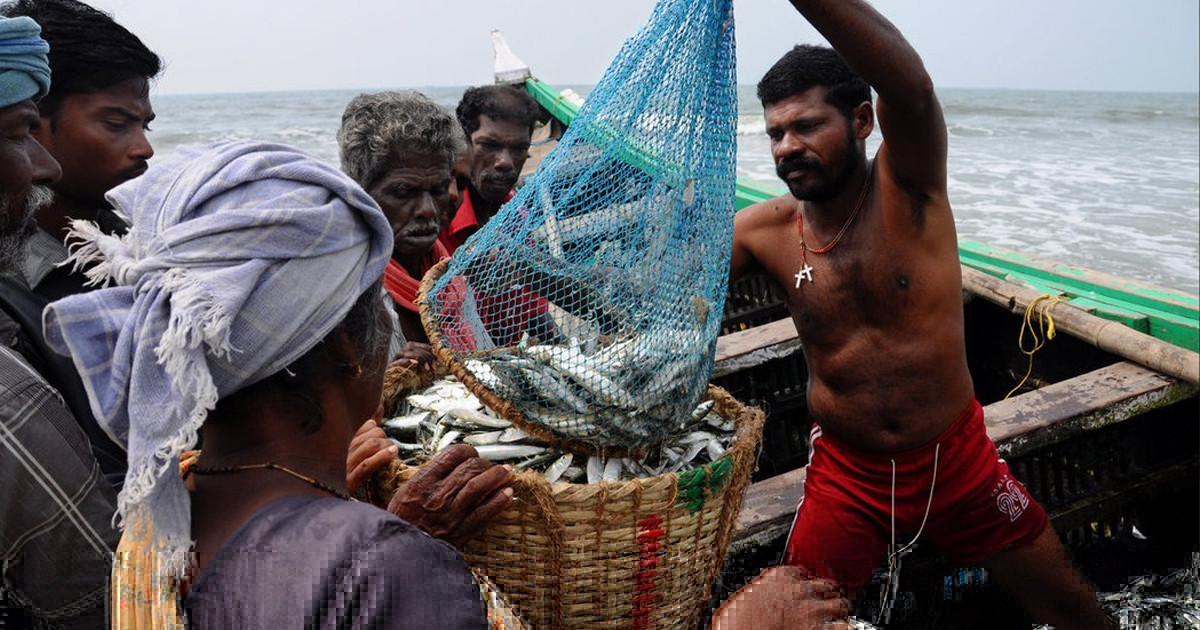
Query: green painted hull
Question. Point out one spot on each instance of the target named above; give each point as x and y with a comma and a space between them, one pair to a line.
1172, 316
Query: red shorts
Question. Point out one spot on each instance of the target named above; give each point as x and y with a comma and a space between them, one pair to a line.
844, 522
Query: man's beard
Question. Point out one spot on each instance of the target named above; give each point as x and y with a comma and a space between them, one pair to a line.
15, 236
494, 187
829, 186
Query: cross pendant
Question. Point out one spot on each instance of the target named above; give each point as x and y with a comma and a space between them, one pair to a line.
804, 274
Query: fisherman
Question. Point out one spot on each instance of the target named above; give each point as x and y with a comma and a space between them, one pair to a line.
400, 147
56, 533
498, 121
867, 253
94, 122
206, 333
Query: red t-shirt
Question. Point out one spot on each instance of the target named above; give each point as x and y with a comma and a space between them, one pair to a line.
465, 223
508, 314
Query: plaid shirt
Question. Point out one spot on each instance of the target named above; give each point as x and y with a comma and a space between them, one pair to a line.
56, 533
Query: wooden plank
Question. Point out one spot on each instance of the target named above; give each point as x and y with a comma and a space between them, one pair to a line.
769, 505
1060, 411
1054, 413
754, 346
1079, 281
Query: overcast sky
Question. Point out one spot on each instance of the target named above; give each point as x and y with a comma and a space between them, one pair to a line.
263, 45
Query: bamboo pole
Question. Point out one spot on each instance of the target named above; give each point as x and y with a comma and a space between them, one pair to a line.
1106, 335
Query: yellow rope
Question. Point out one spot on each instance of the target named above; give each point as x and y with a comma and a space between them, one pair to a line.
1044, 327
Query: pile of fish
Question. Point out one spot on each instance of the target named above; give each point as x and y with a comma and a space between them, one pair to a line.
622, 395
1152, 602
446, 412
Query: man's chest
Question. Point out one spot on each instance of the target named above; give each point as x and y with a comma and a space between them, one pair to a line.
856, 286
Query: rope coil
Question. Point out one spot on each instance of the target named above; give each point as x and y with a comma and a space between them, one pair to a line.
1040, 325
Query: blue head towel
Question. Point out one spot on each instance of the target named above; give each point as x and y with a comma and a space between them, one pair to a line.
24, 66
240, 258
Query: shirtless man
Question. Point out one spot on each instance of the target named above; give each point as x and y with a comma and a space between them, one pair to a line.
867, 253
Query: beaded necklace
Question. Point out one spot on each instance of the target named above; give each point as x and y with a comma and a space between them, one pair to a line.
805, 272
228, 470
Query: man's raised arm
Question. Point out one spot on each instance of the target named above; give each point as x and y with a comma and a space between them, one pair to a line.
914, 131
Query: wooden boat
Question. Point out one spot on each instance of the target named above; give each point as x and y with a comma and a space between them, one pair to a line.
1105, 435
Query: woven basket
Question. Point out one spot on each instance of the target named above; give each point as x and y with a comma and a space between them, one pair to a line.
640, 554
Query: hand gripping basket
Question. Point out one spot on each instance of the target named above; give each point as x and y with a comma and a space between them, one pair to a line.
640, 554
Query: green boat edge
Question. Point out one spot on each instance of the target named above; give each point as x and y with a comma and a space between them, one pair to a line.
1166, 314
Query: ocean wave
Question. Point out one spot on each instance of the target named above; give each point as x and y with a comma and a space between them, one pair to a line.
1109, 181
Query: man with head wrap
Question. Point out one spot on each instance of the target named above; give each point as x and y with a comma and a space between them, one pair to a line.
93, 122
201, 331
55, 509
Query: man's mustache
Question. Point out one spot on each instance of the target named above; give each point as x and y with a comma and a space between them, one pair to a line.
797, 163
418, 230
136, 170
500, 179
39, 197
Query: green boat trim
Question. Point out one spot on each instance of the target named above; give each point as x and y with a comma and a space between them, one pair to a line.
1166, 314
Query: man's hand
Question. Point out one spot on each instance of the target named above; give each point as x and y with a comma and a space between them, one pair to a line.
416, 356
784, 598
370, 451
454, 495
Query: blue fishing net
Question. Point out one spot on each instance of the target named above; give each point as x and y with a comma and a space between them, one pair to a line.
589, 306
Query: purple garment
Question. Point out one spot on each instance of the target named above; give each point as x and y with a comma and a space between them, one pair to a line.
304, 562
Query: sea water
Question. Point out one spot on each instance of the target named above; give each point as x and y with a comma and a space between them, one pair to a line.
1109, 181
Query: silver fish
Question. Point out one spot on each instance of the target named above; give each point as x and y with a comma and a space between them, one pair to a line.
560, 465
513, 434
479, 439
406, 447
409, 422
714, 449
695, 436
612, 469
573, 474
576, 365
449, 438
537, 461
549, 388
501, 452
423, 401
595, 469
478, 418
702, 409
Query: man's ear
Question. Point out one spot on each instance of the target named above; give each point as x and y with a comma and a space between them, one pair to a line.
864, 120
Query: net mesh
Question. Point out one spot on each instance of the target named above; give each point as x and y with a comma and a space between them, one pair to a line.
592, 301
